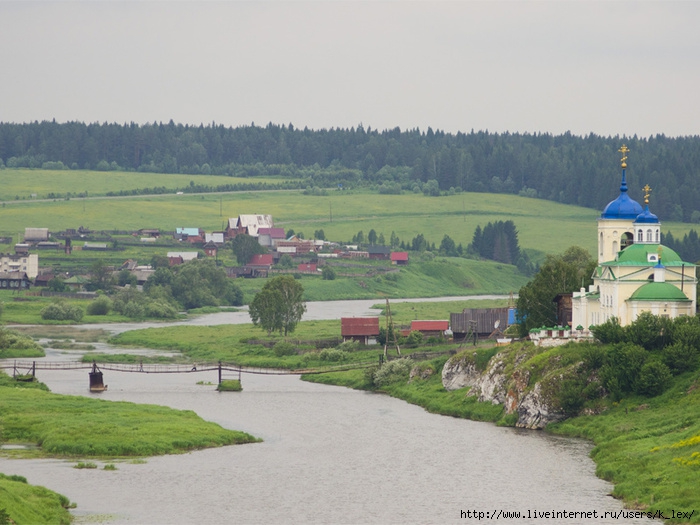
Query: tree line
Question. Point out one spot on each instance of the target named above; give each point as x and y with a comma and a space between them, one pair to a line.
561, 168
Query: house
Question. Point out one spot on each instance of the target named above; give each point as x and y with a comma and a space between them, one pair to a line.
176, 258
269, 237
399, 258
307, 268
563, 302
296, 246
248, 224
20, 262
43, 279
76, 283
215, 237
364, 330
14, 281
635, 273
261, 260
210, 249
191, 235
378, 252
431, 328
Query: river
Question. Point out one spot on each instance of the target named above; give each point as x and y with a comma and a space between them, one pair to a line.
330, 455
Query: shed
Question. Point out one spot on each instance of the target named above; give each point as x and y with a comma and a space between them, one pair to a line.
379, 252
487, 320
36, 234
400, 258
430, 328
261, 260
14, 281
361, 329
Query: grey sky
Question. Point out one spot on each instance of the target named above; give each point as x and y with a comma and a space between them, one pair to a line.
603, 67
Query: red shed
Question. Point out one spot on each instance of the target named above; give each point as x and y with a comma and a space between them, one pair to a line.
430, 328
362, 329
400, 258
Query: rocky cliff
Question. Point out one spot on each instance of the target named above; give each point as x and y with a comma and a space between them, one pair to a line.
523, 378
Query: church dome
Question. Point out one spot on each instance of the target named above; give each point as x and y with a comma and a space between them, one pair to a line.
658, 292
647, 217
623, 207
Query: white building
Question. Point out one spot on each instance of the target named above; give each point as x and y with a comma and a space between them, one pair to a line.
635, 273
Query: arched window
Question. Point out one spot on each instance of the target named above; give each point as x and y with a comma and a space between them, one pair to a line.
648, 235
615, 250
600, 244
657, 236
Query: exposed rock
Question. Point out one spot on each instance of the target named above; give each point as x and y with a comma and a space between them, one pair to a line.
420, 372
499, 386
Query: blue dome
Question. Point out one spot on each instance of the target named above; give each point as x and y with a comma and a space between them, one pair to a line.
623, 207
647, 217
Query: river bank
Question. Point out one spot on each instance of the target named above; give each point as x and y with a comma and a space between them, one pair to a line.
648, 447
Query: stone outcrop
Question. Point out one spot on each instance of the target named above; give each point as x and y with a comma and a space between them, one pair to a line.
506, 381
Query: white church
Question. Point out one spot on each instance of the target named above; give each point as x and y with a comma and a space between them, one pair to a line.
635, 273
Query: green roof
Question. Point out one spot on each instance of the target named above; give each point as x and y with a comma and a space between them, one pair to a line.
636, 255
658, 292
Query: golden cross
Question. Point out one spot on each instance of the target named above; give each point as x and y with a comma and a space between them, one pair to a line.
647, 192
624, 149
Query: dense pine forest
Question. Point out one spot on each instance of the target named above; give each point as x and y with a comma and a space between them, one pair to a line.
565, 168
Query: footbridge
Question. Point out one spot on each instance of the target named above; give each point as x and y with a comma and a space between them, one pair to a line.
27, 370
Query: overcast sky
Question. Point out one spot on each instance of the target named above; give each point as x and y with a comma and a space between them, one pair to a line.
610, 68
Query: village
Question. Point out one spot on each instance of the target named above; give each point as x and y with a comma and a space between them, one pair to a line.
22, 270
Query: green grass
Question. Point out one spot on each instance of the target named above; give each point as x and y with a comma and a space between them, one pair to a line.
22, 183
229, 385
649, 447
27, 504
71, 426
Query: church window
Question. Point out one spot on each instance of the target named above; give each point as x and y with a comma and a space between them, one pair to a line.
648, 235
640, 236
657, 236
600, 244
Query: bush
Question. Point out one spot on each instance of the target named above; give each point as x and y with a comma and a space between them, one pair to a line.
393, 372
100, 306
286, 261
332, 354
610, 332
621, 370
62, 311
328, 273
654, 378
348, 346
283, 348
414, 338
680, 357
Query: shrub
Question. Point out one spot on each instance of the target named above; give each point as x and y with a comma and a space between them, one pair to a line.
229, 385
414, 338
160, 310
332, 354
283, 348
653, 379
62, 311
348, 346
286, 261
610, 332
680, 357
392, 372
328, 273
622, 367
100, 306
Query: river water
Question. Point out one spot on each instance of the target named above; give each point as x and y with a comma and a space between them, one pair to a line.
329, 455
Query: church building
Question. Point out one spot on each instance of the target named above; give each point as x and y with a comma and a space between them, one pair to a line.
635, 273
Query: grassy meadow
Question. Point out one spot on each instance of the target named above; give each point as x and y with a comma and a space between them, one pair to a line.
65, 426
19, 184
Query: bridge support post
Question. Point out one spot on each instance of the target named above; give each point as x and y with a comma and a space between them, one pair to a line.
219, 372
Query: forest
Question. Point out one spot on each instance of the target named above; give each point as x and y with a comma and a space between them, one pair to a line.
581, 170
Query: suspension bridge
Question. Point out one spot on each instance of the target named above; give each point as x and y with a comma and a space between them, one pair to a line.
27, 370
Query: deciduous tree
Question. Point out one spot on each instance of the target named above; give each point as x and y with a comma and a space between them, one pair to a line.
279, 305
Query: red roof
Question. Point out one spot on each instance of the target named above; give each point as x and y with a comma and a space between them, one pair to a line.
350, 326
399, 256
261, 259
275, 233
430, 326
